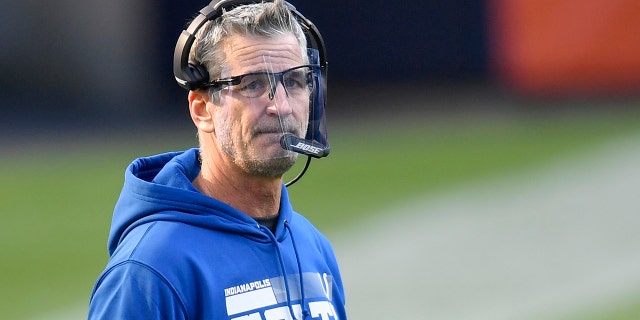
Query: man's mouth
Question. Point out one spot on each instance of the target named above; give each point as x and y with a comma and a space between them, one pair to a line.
278, 132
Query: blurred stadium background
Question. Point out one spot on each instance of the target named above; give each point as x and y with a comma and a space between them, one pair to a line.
92, 80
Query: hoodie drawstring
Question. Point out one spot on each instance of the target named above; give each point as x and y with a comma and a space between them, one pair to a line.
305, 312
283, 270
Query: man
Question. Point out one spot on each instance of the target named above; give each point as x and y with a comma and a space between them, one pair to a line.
209, 233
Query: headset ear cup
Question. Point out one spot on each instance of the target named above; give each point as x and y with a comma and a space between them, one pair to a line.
198, 75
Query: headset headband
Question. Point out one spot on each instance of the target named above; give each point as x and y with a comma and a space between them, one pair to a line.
193, 76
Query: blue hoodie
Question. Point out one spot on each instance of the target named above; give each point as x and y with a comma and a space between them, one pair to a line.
178, 254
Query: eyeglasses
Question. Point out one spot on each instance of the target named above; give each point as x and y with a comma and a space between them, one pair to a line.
296, 81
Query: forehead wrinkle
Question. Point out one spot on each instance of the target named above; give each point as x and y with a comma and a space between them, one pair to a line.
246, 53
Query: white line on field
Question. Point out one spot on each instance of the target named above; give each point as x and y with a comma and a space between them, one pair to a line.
538, 245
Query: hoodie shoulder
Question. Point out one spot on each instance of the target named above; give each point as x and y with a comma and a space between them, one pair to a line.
131, 290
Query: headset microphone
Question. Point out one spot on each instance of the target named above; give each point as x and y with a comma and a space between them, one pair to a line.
303, 146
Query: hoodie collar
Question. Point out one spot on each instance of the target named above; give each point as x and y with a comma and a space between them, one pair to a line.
159, 188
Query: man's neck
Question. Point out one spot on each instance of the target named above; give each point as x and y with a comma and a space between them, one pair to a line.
256, 196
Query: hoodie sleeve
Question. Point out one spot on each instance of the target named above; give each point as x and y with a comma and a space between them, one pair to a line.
132, 290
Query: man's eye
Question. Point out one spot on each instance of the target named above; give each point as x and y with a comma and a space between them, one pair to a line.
253, 85
296, 81
292, 83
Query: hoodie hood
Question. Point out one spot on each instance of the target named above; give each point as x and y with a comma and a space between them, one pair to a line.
159, 188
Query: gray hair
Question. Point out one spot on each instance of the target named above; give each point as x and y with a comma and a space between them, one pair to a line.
266, 19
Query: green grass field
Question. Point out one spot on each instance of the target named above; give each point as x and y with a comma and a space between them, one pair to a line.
57, 205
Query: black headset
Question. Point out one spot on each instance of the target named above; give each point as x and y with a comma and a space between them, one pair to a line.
192, 75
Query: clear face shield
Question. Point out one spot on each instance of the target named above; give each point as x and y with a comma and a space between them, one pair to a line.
265, 118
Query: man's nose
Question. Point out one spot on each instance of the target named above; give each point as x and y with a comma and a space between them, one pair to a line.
279, 100
276, 81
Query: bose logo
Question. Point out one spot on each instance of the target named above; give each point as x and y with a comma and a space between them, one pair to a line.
308, 148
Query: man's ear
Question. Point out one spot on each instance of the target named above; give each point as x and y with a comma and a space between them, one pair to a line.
201, 110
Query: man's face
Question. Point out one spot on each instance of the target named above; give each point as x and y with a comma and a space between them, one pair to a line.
248, 129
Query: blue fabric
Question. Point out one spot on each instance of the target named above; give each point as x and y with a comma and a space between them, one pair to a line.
178, 254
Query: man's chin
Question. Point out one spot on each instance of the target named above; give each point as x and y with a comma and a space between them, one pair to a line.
274, 167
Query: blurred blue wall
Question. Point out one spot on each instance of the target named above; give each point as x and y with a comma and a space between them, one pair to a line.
110, 58
367, 40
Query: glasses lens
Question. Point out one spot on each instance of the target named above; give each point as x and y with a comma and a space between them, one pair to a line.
254, 85
296, 82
